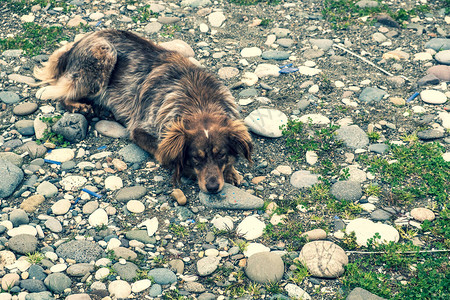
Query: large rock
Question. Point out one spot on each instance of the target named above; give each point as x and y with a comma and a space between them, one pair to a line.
352, 136
365, 229
265, 267
73, 127
11, 177
266, 122
323, 259
80, 251
231, 197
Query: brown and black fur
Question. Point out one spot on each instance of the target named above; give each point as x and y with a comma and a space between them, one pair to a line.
173, 109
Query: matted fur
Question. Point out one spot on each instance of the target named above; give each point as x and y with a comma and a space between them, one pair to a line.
167, 103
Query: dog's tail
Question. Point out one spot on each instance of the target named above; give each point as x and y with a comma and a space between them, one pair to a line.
54, 67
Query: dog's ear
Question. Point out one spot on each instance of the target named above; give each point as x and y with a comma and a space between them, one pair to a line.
240, 139
171, 150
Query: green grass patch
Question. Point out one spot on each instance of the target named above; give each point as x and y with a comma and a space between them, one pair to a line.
144, 14
254, 2
288, 233
52, 137
343, 13
414, 171
24, 6
34, 39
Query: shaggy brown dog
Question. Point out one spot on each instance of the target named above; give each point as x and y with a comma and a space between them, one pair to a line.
173, 109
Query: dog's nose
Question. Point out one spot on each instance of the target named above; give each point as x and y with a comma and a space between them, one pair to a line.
212, 185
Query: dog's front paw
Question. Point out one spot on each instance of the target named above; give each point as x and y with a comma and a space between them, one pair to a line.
82, 108
232, 176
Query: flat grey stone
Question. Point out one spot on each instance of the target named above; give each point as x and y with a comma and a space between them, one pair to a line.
111, 129
79, 270
25, 127
361, 294
33, 285
352, 136
378, 148
152, 27
286, 43
141, 236
13, 158
155, 290
429, 79
438, 44
163, 276
47, 189
133, 154
346, 190
33, 149
381, 215
57, 282
265, 267
430, 134
127, 271
25, 109
231, 197
80, 251
304, 179
73, 127
12, 176
324, 44
23, 243
131, 193
36, 272
13, 53
250, 92
371, 94
18, 217
53, 225
275, 55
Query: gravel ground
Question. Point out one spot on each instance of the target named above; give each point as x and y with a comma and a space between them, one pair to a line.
194, 250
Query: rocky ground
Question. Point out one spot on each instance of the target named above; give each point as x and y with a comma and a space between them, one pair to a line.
88, 215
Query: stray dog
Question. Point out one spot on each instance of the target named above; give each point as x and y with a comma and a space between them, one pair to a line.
173, 109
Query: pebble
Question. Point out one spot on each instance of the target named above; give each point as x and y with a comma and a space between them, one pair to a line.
151, 225
381, 215
248, 52
430, 134
266, 122
32, 203
96, 16
324, 44
433, 97
265, 267
73, 182
80, 270
61, 155
133, 154
23, 243
135, 206
131, 193
358, 294
80, 251
25, 127
308, 71
216, 19
352, 136
53, 225
440, 71
250, 228
179, 46
316, 119
438, 44
228, 72
230, 197
323, 259
207, 265
443, 57
422, 56
13, 158
111, 129
61, 207
267, 70
365, 229
421, 214
140, 285
223, 223
9, 280
25, 109
152, 27
371, 94
119, 289
179, 196
304, 179
47, 189
163, 276
9, 97
113, 183
98, 218
253, 248
346, 190
296, 292
12, 176
275, 55
315, 234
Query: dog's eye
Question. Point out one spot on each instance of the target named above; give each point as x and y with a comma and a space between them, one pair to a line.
220, 155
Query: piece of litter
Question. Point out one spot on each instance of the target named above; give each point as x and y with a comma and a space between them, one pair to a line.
52, 161
414, 96
101, 148
91, 193
288, 70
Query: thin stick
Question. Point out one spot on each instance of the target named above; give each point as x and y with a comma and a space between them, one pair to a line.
368, 61
398, 252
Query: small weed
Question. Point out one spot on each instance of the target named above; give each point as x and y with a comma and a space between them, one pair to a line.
349, 241
253, 2
101, 227
144, 14
173, 295
35, 257
265, 22
373, 190
178, 230
300, 273
288, 233
273, 288
373, 136
24, 6
200, 226
242, 245
34, 39
169, 30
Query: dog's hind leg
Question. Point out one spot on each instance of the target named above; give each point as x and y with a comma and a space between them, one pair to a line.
85, 76
145, 140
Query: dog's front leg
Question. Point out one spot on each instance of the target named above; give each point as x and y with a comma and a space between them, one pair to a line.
232, 176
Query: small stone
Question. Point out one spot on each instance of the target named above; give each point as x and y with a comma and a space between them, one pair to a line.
308, 71
223, 223
140, 285
96, 16
53, 225
266, 70
111, 129
179, 46
133, 154
163, 276
73, 127
9, 97
396, 54
47, 189
216, 19
316, 119
296, 292
315, 234
25, 109
381, 215
266, 122
179, 196
135, 206
421, 214
207, 265
119, 289
61, 155
265, 267
324, 44
23, 243
352, 136
361, 294
433, 97
275, 55
371, 94
113, 183
32, 203
251, 52
228, 72
25, 127
9, 280
378, 148
440, 71
250, 228
303, 179
80, 251
152, 27
397, 101
61, 207
80, 270
73, 183
98, 218
131, 193
249, 79
438, 44
346, 190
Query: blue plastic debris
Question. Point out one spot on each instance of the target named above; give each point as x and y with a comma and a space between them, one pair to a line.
101, 148
288, 70
414, 96
49, 161
91, 193
98, 23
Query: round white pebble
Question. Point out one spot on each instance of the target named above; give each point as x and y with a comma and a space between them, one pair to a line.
135, 206
433, 97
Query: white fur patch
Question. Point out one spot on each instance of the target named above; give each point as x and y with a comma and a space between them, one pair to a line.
206, 133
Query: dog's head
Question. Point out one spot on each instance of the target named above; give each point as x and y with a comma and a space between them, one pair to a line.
206, 147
